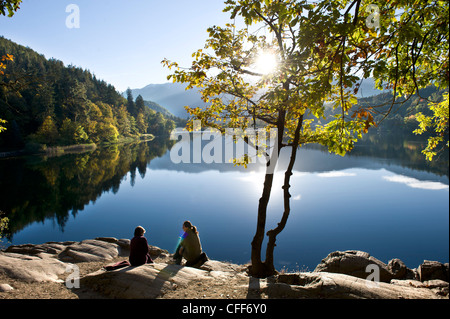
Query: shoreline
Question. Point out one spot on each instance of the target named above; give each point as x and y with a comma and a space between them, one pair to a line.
40, 272
52, 151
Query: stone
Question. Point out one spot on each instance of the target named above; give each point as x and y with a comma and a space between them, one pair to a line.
108, 239
408, 283
400, 271
436, 283
156, 251
334, 285
52, 248
124, 243
31, 268
215, 265
29, 249
397, 268
353, 263
145, 281
430, 270
5, 288
89, 251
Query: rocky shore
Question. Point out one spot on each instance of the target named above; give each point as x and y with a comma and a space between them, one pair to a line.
74, 270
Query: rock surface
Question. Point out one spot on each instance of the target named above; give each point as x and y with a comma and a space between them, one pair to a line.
146, 281
430, 270
339, 275
334, 285
5, 287
31, 268
360, 264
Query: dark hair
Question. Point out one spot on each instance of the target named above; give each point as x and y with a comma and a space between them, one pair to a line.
139, 231
189, 225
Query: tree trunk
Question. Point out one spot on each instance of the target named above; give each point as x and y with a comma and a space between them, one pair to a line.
259, 268
265, 269
273, 233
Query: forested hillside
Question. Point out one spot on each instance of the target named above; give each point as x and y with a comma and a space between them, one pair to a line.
45, 102
403, 113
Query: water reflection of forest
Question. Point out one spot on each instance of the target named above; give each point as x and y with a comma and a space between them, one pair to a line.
406, 152
34, 189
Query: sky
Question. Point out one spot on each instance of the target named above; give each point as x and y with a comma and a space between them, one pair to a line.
121, 42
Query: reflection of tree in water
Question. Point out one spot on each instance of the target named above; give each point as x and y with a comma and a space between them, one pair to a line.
35, 189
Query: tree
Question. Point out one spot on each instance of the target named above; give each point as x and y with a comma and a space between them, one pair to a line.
80, 135
3, 226
157, 124
131, 106
42, 103
48, 132
319, 54
107, 132
134, 130
10, 5
123, 121
4, 58
76, 103
141, 124
140, 104
438, 123
67, 132
1, 127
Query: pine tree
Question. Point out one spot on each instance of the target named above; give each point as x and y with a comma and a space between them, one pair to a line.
139, 104
131, 106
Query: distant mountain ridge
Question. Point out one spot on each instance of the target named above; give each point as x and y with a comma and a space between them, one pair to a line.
174, 96
158, 108
171, 96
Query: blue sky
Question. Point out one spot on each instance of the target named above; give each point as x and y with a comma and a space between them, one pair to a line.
121, 42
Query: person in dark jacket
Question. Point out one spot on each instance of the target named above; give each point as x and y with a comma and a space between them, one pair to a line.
139, 251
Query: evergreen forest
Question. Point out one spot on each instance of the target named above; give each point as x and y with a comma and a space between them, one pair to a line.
46, 103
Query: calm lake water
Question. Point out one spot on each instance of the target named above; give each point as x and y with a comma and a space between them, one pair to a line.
382, 198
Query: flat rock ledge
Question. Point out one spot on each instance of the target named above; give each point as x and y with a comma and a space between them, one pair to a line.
339, 275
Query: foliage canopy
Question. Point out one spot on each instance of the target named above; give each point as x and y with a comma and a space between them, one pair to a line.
9, 5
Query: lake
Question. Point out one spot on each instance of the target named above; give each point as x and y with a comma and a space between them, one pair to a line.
382, 198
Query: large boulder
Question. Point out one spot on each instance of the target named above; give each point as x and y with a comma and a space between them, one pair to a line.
35, 250
430, 270
400, 271
31, 268
149, 280
88, 251
356, 263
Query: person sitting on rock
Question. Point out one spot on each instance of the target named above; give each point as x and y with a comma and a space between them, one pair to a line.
139, 251
190, 247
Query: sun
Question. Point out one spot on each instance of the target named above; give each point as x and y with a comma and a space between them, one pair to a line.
266, 62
